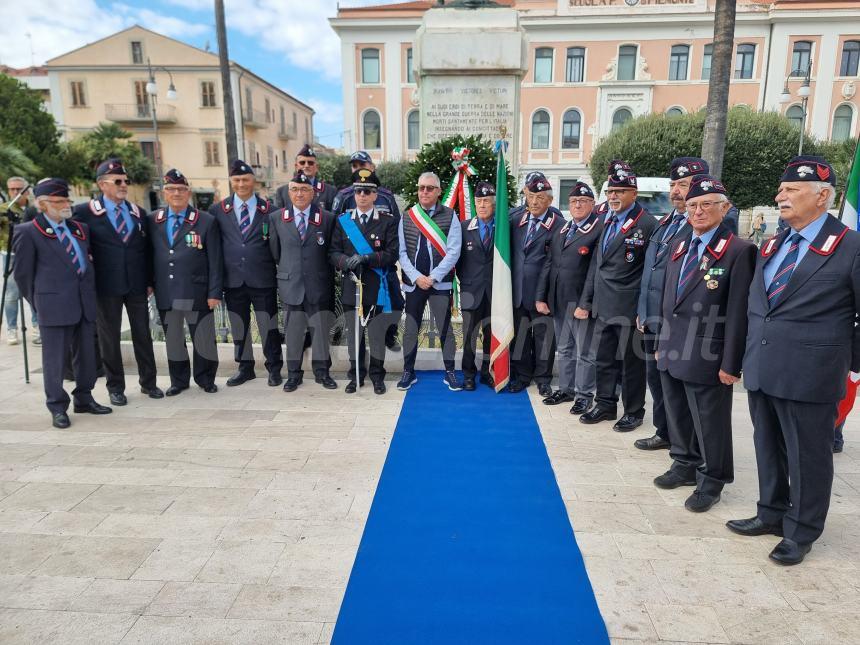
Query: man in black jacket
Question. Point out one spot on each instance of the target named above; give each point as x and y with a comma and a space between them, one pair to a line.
307, 164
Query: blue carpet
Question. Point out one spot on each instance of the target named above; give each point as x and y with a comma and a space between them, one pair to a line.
467, 540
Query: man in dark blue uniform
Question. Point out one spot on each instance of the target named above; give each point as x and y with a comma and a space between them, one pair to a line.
123, 269
54, 270
188, 278
802, 341
306, 163
249, 274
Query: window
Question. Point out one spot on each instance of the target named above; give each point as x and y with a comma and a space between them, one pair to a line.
800, 58
270, 157
795, 115
842, 123
744, 61
371, 129
370, 65
308, 130
571, 123
621, 116
249, 101
136, 52
283, 120
213, 153
678, 60
284, 159
543, 65
207, 94
626, 63
295, 123
540, 130
850, 58
79, 97
410, 73
268, 105
564, 188
252, 151
141, 99
674, 111
706, 61
148, 150
412, 130
574, 72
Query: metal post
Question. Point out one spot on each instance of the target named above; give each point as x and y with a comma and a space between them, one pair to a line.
158, 162
226, 87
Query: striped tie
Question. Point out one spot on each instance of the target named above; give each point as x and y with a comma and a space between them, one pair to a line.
689, 267
244, 220
66, 240
120, 225
611, 231
173, 225
300, 225
531, 232
783, 274
673, 227
486, 238
571, 231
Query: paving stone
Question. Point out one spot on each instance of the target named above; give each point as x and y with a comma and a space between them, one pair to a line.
117, 596
28, 626
98, 557
155, 630
194, 599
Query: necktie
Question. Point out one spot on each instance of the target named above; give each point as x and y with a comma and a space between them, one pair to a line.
174, 225
486, 237
571, 231
690, 263
611, 232
300, 225
119, 224
422, 261
363, 220
783, 273
66, 240
244, 220
531, 232
669, 233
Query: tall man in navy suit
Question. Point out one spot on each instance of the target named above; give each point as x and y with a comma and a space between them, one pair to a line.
54, 270
802, 341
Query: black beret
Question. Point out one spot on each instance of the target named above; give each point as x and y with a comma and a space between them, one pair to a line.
538, 183
365, 178
110, 167
621, 175
306, 151
485, 189
51, 187
581, 189
687, 167
239, 167
809, 168
301, 178
360, 155
705, 185
173, 176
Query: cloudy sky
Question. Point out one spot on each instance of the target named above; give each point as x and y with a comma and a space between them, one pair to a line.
287, 42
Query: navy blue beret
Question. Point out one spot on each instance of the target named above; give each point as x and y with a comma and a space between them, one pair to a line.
485, 189
682, 167
173, 176
239, 167
705, 185
51, 187
110, 167
809, 168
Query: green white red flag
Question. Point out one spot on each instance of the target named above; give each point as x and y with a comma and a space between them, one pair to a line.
851, 203
502, 309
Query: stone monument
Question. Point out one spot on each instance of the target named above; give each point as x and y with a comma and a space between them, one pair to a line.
470, 59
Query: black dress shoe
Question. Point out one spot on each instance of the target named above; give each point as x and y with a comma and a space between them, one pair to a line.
469, 384
292, 383
351, 387
671, 479
544, 389
754, 526
152, 392
700, 502
789, 552
379, 387
61, 421
327, 382
240, 377
627, 423
92, 408
651, 443
173, 390
275, 379
517, 386
210, 389
117, 398
837, 447
580, 406
596, 415
557, 397
487, 379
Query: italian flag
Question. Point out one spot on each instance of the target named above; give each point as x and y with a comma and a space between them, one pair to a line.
851, 203
502, 309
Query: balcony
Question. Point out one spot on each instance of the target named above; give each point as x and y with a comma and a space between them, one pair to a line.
254, 118
135, 114
287, 132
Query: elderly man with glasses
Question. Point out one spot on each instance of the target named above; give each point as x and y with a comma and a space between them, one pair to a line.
307, 164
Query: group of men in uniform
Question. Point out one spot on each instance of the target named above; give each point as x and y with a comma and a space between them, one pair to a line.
682, 304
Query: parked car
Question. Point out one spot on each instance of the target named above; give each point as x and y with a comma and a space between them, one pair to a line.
653, 195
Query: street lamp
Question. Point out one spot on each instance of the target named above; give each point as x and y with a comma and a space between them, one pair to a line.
152, 91
803, 92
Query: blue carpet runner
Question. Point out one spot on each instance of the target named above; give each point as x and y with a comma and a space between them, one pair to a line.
467, 540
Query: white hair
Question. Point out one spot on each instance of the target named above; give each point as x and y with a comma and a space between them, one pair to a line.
831, 198
17, 178
430, 175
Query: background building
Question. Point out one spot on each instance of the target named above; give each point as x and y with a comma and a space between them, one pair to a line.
106, 81
593, 64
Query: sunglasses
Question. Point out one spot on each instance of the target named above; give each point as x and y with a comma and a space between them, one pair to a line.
121, 182
306, 162
427, 189
364, 191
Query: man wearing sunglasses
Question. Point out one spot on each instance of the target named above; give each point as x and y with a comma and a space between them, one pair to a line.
306, 163
122, 269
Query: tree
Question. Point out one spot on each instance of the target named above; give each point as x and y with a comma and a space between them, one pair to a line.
25, 124
436, 157
335, 170
713, 141
14, 162
393, 175
106, 141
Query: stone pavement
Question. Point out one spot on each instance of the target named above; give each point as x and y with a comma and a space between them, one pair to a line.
235, 518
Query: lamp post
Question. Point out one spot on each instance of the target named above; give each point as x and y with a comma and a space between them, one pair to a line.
803, 92
152, 91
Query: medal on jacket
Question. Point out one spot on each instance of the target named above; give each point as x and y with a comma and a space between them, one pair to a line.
265, 231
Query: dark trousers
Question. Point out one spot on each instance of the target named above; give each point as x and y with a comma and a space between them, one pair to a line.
534, 346
299, 320
440, 307
56, 343
620, 353
474, 320
374, 332
201, 326
265, 302
793, 443
652, 375
700, 432
109, 324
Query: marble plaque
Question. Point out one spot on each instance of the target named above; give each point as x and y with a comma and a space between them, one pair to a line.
467, 105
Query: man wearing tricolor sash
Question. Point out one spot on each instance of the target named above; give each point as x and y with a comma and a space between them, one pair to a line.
430, 240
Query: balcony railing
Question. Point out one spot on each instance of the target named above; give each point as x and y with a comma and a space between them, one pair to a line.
135, 113
287, 132
254, 118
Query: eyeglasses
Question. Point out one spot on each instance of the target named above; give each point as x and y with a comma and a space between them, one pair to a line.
703, 205
121, 182
617, 192
427, 189
300, 189
580, 201
364, 191
175, 189
306, 162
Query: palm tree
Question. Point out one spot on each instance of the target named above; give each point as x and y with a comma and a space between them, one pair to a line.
14, 162
714, 138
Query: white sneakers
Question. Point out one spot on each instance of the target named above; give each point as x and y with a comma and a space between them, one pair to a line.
12, 336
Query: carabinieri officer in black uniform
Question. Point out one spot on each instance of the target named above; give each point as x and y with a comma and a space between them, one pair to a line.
249, 274
307, 164
188, 270
54, 270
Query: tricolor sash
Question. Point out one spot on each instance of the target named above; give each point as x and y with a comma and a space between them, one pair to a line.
428, 228
383, 298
